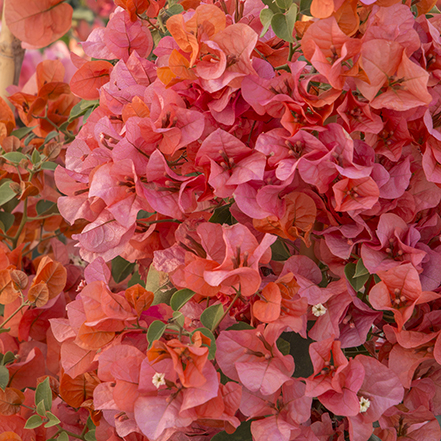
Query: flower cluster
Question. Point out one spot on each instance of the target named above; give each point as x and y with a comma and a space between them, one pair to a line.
261, 179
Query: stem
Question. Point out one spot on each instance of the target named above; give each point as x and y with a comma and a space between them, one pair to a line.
159, 221
42, 217
84, 431
41, 241
150, 23
73, 435
228, 309
11, 58
14, 313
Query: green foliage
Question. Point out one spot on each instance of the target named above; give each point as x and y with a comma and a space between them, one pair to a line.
53, 420
240, 326
33, 422
242, 433
155, 331
305, 7
44, 393
180, 298
283, 24
49, 165
4, 377
121, 269
284, 4
222, 215
280, 252
81, 109
22, 132
14, 157
46, 207
211, 316
136, 279
63, 436
356, 274
265, 17
283, 346
6, 221
212, 347
6, 192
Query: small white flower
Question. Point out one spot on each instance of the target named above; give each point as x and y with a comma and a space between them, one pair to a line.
77, 260
364, 404
318, 310
158, 380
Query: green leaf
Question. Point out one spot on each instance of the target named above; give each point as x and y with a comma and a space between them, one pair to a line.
44, 393
46, 207
49, 165
299, 346
7, 220
265, 17
142, 214
153, 284
41, 410
284, 4
90, 424
33, 422
29, 138
163, 296
283, 346
90, 436
9, 357
222, 215
240, 326
10, 205
212, 347
374, 438
64, 126
63, 436
153, 279
81, 108
178, 318
14, 157
180, 298
36, 157
356, 282
4, 330
121, 269
53, 420
50, 136
305, 7
360, 269
22, 132
136, 278
242, 433
83, 14
280, 27
174, 10
280, 251
4, 377
211, 316
272, 5
155, 331
291, 17
6, 193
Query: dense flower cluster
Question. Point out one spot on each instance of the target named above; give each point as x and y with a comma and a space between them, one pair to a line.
263, 173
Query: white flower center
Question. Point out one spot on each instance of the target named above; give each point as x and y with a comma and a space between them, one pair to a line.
318, 310
158, 379
364, 404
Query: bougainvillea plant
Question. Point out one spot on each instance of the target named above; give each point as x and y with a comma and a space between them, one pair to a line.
225, 226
